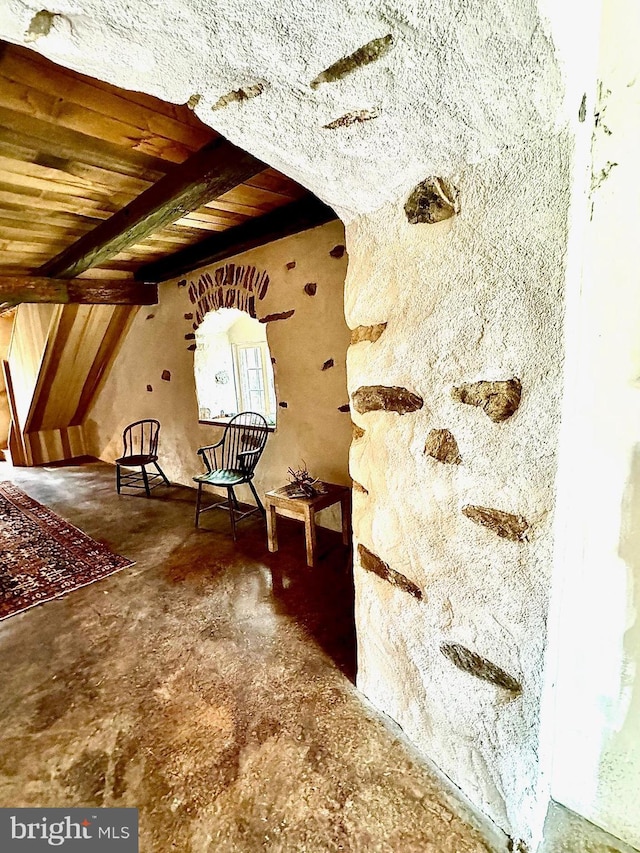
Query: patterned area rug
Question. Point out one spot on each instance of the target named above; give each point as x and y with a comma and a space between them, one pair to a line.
42, 556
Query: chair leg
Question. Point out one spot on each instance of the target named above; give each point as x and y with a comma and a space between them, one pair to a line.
198, 500
118, 483
232, 510
258, 501
162, 474
145, 477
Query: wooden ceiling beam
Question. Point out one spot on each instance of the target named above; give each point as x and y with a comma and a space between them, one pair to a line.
25, 288
298, 216
212, 171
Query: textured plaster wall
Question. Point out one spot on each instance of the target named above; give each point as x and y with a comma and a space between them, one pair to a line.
309, 428
593, 682
473, 92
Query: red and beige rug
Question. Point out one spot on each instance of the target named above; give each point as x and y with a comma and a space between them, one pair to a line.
42, 556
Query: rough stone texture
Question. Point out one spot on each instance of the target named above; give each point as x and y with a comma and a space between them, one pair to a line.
279, 315
478, 666
310, 288
355, 117
242, 94
372, 563
433, 200
367, 333
362, 56
442, 445
40, 25
358, 487
374, 398
499, 400
504, 524
358, 432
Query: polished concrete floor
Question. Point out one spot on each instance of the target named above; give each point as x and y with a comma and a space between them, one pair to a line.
211, 686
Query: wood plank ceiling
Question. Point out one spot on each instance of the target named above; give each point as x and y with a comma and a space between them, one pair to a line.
74, 151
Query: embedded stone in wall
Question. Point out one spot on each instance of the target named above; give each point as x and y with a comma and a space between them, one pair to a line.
433, 200
149, 388
242, 94
192, 347
338, 251
149, 316
354, 117
358, 487
328, 363
441, 444
474, 664
517, 845
182, 282
283, 315
188, 316
385, 398
344, 408
190, 336
283, 405
357, 431
166, 375
499, 400
291, 265
310, 288
503, 524
363, 56
232, 286
372, 563
367, 333
40, 25
194, 100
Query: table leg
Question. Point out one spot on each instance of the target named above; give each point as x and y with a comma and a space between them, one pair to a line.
272, 529
345, 512
310, 534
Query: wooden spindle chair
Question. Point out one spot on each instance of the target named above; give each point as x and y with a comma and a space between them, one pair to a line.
140, 440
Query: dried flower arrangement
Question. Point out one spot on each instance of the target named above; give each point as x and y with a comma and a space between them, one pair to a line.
303, 484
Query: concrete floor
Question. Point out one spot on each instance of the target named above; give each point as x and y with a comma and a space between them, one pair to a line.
210, 685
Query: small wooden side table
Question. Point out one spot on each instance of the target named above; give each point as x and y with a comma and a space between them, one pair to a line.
278, 502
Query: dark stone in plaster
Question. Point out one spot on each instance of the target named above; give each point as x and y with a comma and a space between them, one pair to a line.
182, 282
190, 336
149, 388
472, 663
283, 315
363, 56
354, 117
188, 316
345, 408
367, 333
291, 265
433, 200
242, 94
358, 487
149, 316
328, 363
194, 100
357, 431
385, 398
40, 25
498, 400
310, 288
582, 112
192, 347
372, 563
338, 251
441, 444
504, 524
166, 375
273, 361
283, 405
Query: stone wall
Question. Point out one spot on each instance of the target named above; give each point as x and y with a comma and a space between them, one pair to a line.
153, 373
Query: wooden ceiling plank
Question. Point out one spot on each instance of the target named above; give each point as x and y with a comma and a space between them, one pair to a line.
64, 291
71, 144
50, 108
211, 171
17, 65
291, 219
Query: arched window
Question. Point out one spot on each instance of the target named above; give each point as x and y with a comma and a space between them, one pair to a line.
232, 365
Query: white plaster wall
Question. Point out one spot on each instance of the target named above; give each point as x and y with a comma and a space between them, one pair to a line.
310, 428
471, 90
593, 684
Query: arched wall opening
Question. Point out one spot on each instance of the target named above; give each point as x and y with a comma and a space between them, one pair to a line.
455, 301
